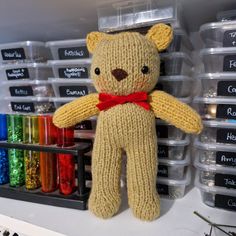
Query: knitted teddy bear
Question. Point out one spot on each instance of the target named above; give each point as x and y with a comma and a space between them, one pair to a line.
125, 69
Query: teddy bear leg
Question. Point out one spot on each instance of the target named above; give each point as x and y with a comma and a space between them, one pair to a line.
141, 179
105, 197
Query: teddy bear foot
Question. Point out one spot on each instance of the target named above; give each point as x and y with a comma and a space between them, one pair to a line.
104, 207
147, 210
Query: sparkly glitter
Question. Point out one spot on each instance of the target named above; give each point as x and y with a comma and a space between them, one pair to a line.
14, 128
43, 90
207, 178
4, 168
44, 107
211, 93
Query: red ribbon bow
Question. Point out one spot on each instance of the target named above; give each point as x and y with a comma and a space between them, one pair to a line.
107, 100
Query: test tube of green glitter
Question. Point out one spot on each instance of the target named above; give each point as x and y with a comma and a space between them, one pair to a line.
31, 158
15, 156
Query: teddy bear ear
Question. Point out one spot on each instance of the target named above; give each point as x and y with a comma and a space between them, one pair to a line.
161, 35
94, 38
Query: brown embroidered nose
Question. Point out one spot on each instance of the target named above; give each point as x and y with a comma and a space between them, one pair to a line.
119, 74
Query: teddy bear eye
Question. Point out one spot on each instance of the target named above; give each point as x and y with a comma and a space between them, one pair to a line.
97, 71
145, 69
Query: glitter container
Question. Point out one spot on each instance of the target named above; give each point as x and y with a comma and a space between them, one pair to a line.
71, 69
23, 52
66, 164
177, 85
72, 87
68, 49
3, 127
15, 156
173, 189
25, 71
48, 160
31, 158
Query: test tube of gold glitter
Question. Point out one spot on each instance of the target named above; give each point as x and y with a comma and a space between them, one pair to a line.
31, 158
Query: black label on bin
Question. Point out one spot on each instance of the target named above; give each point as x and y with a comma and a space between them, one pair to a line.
226, 136
229, 63
159, 86
18, 73
21, 91
84, 125
73, 72
13, 54
226, 158
223, 180
73, 91
162, 68
229, 39
225, 202
162, 131
73, 53
162, 171
226, 88
22, 106
162, 189
163, 151
226, 111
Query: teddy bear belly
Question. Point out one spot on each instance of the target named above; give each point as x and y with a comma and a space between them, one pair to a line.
121, 123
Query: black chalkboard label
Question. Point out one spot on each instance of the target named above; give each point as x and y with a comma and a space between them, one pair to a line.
73, 53
18, 73
73, 91
226, 158
162, 68
22, 91
225, 202
226, 111
229, 39
163, 151
229, 63
23, 107
73, 72
162, 131
226, 88
162, 171
84, 125
227, 181
13, 54
162, 189
226, 136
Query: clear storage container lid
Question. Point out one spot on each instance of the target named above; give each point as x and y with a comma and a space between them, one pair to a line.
65, 43
25, 82
180, 163
169, 142
22, 65
21, 44
70, 81
220, 124
218, 25
217, 76
214, 100
76, 62
217, 51
177, 55
28, 99
226, 15
174, 78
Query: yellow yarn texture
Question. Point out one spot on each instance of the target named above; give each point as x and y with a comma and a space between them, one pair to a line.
123, 64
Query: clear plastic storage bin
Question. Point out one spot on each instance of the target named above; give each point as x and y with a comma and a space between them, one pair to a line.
215, 154
229, 15
68, 49
37, 88
72, 87
176, 85
26, 71
175, 63
219, 59
71, 69
23, 52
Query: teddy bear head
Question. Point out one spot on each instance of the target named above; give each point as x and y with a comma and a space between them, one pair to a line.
127, 62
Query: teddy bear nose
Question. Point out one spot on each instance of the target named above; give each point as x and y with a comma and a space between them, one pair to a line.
119, 74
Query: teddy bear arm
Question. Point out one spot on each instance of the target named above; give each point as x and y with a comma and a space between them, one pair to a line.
76, 111
170, 109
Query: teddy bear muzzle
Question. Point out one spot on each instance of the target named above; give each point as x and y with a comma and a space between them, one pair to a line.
119, 74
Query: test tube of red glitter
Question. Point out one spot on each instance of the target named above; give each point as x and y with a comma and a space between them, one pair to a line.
66, 162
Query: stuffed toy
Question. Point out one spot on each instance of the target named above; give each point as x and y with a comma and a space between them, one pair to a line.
125, 69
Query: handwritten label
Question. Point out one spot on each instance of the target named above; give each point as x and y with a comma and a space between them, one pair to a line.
229, 38
73, 91
26, 107
226, 158
162, 171
226, 111
226, 88
21, 91
226, 136
13, 54
225, 202
229, 63
223, 180
162, 189
163, 151
162, 131
84, 125
73, 72
73, 53
18, 73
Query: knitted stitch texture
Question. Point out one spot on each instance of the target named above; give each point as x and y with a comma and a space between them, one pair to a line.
123, 64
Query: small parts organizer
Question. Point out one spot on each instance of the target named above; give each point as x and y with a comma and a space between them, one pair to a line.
215, 149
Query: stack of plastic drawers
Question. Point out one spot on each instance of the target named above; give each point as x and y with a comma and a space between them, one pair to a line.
215, 147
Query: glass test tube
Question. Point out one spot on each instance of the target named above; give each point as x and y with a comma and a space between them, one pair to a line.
4, 165
48, 161
15, 156
66, 162
31, 158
